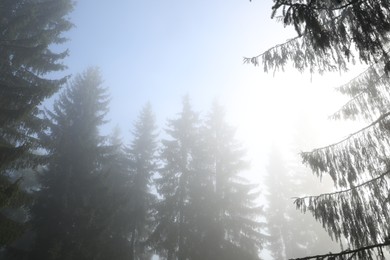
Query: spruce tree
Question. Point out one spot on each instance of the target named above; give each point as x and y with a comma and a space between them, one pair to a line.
235, 230
207, 209
113, 195
27, 31
292, 234
172, 235
330, 34
67, 216
143, 167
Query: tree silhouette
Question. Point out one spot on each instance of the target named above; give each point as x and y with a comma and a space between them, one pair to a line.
331, 34
27, 31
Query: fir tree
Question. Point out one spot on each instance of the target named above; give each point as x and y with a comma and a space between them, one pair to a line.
328, 33
207, 209
143, 167
67, 215
27, 30
114, 197
235, 229
172, 235
292, 234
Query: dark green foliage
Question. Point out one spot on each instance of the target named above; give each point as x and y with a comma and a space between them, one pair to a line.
27, 29
69, 217
331, 34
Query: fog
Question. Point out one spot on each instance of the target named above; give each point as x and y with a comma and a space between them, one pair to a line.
190, 153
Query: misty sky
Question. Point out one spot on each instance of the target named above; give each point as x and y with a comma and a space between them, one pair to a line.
158, 51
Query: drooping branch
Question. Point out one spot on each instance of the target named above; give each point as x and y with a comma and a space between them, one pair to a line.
369, 92
358, 214
318, 8
340, 255
351, 135
255, 59
328, 33
329, 194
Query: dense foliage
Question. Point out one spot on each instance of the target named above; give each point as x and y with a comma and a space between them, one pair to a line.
68, 217
27, 31
331, 34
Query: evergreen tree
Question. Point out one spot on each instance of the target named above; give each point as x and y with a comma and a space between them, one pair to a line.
292, 234
172, 235
328, 31
27, 30
234, 231
143, 167
114, 198
207, 209
67, 216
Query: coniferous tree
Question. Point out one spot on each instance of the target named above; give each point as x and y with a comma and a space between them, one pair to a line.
292, 234
114, 197
207, 209
235, 228
328, 33
172, 235
143, 167
27, 30
67, 216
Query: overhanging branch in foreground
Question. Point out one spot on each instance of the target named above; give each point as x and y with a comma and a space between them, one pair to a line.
345, 253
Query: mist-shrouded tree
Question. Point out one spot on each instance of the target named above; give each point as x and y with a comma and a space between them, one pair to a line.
207, 210
234, 230
113, 201
27, 31
69, 217
173, 233
330, 35
142, 155
292, 234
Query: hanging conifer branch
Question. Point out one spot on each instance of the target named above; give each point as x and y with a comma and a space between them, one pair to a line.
329, 31
255, 60
352, 159
348, 253
356, 214
332, 194
351, 135
369, 92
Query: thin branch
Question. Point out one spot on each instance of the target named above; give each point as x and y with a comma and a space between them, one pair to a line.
248, 60
365, 91
343, 191
325, 8
351, 135
346, 252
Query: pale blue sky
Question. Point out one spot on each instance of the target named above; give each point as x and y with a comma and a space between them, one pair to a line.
161, 50
158, 51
